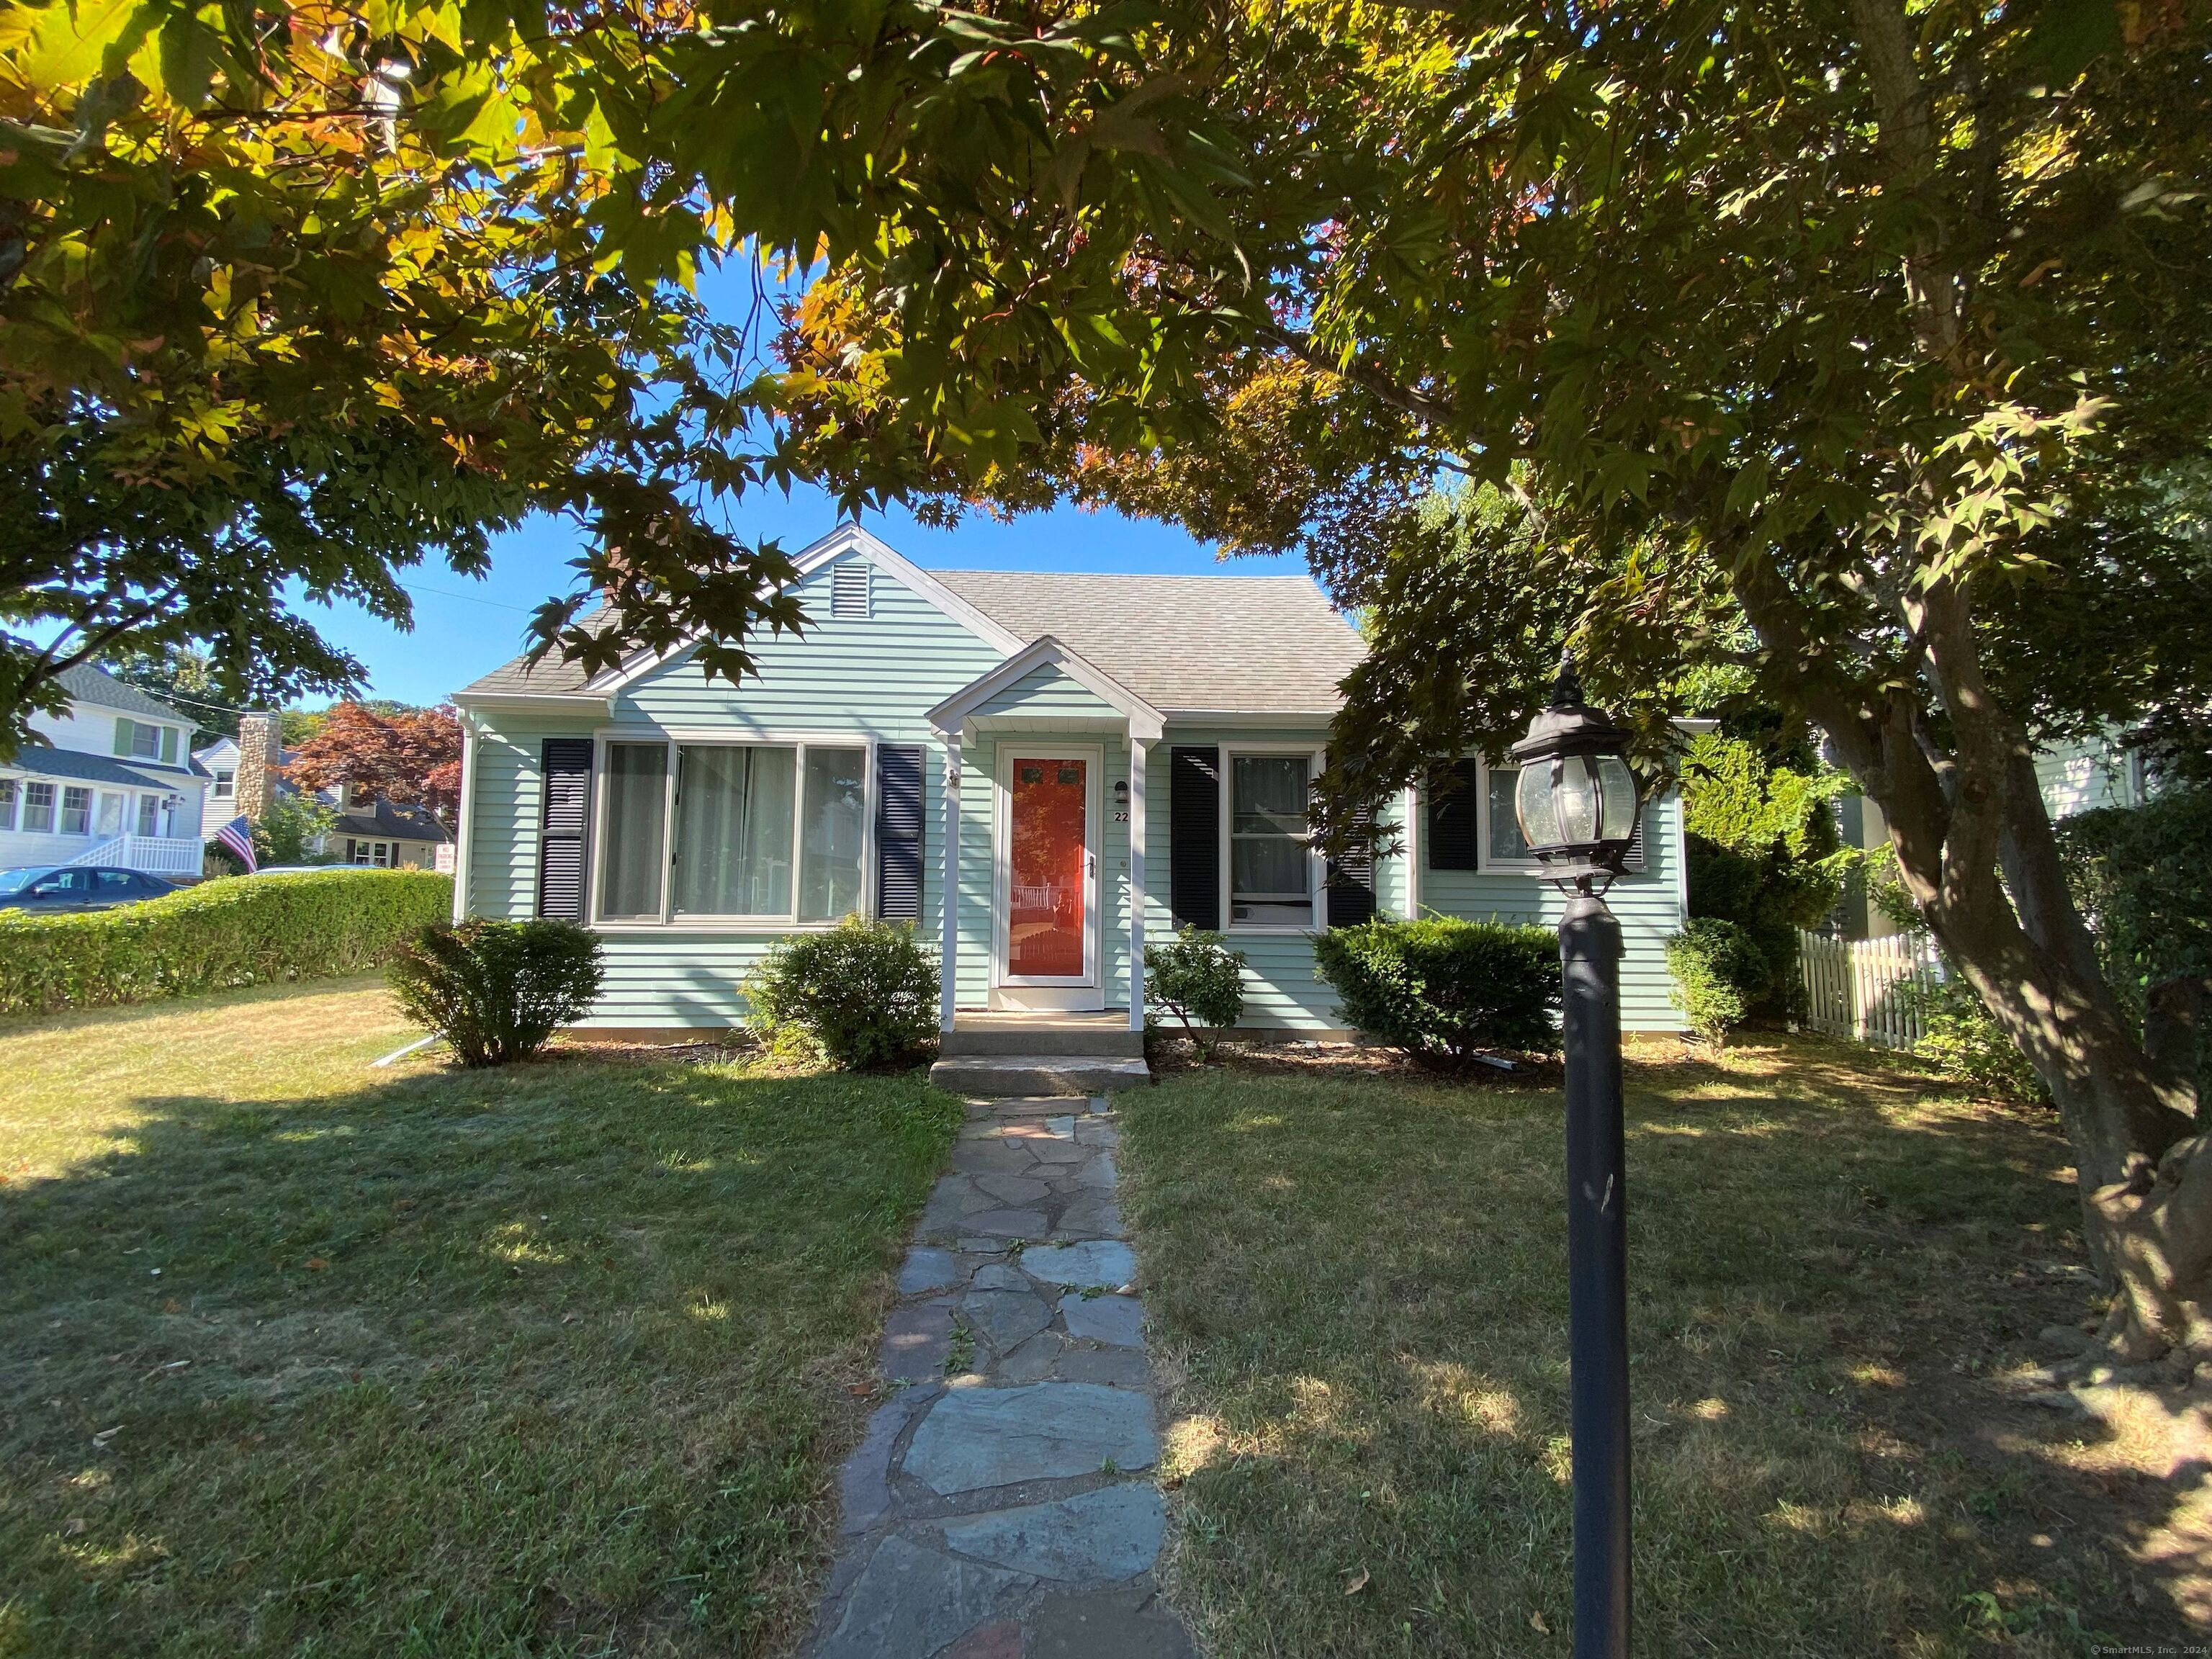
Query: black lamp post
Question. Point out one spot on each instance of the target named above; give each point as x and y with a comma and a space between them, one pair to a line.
1577, 802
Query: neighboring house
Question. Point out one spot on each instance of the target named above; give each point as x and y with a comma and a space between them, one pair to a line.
370, 832
1106, 741
2076, 777
110, 781
378, 832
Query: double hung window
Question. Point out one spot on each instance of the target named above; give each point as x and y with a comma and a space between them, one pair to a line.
1271, 859
769, 831
39, 809
76, 810
8, 792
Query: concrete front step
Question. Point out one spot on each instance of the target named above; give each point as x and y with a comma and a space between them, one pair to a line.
1000, 1076
1077, 1035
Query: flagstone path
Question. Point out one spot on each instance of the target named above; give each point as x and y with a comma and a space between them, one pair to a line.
1001, 1505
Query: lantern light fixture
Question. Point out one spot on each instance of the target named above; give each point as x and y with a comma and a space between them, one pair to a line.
1576, 800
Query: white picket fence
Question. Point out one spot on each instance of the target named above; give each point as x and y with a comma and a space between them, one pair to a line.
1860, 988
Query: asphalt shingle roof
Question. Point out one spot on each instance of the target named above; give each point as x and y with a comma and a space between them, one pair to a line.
79, 767
1239, 644
85, 683
1235, 644
392, 823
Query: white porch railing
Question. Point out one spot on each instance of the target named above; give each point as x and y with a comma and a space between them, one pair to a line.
153, 855
1862, 988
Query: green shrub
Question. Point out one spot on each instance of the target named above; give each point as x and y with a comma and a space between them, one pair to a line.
861, 995
1719, 975
1197, 979
1762, 850
1962, 1041
496, 991
231, 932
1442, 990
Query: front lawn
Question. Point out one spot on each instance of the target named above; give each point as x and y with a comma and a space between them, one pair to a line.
1358, 1283
300, 1357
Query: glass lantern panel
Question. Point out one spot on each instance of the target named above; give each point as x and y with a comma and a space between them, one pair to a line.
1619, 786
1575, 797
1532, 805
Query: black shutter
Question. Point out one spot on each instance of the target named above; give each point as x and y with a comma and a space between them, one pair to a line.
1195, 838
1352, 878
568, 767
1452, 820
898, 831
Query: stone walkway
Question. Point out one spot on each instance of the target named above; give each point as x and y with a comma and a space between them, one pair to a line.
1001, 1506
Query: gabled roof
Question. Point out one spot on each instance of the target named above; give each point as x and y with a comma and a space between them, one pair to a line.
1237, 645
85, 683
1189, 645
1144, 721
382, 818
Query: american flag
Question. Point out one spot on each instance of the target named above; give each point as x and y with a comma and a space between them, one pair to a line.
238, 835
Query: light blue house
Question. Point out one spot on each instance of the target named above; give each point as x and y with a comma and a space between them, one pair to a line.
1082, 762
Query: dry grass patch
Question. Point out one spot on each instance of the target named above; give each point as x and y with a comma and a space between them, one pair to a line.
1837, 1276
298, 1356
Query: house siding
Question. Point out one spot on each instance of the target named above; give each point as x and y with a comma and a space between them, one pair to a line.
878, 678
875, 676
1649, 905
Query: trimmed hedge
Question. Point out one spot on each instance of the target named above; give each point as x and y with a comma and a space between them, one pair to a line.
1443, 990
231, 932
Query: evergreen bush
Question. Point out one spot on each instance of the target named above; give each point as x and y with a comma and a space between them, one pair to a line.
861, 995
1197, 979
1443, 990
222, 934
1720, 973
496, 991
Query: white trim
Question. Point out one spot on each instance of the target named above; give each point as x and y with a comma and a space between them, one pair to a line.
768, 923
464, 829
1316, 866
845, 539
948, 947
1085, 993
1482, 862
551, 703
1136, 884
1280, 719
1414, 851
1145, 722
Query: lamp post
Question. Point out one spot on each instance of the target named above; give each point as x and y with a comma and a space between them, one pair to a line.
1577, 802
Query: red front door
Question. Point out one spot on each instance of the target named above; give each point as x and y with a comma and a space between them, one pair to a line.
1048, 867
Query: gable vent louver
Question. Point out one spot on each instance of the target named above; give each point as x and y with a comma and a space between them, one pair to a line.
848, 591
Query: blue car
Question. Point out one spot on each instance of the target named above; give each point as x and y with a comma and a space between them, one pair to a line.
48, 888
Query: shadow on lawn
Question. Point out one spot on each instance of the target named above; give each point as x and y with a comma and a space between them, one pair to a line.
1835, 1283
552, 1358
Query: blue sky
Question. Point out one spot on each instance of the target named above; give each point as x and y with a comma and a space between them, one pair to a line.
463, 627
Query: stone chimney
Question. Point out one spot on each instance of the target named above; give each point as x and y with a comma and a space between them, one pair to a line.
260, 753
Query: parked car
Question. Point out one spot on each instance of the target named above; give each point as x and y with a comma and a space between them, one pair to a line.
47, 888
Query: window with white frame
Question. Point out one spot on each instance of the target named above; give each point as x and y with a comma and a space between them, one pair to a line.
38, 809
1502, 844
145, 741
1271, 858
76, 810
8, 793
768, 831
226, 784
